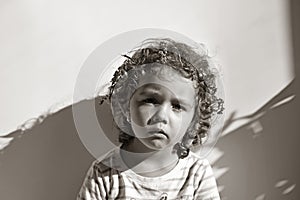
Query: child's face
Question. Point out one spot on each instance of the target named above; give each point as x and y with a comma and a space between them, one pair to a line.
161, 109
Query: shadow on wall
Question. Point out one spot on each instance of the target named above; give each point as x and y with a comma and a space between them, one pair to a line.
262, 155
49, 161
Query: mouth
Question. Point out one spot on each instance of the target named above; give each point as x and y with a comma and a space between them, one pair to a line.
159, 133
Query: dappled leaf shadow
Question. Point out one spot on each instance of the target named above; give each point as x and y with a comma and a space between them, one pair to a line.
259, 157
45, 162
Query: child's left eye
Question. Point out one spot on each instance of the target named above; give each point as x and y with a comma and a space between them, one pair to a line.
177, 107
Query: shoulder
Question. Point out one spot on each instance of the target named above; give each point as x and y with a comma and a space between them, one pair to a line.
96, 185
206, 186
107, 162
194, 160
199, 168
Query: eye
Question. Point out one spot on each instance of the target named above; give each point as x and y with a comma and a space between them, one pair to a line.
177, 107
150, 101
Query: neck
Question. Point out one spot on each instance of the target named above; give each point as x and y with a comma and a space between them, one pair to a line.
148, 162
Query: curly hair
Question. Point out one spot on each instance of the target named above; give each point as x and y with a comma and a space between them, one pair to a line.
191, 63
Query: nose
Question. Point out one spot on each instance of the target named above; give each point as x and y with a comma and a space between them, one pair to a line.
159, 116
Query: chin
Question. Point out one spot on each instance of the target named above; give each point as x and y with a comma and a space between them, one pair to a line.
156, 145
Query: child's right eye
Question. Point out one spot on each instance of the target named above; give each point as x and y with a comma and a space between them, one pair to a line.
150, 101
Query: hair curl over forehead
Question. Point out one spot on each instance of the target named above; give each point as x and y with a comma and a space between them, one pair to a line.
194, 64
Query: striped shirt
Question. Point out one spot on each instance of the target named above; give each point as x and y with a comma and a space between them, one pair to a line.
192, 178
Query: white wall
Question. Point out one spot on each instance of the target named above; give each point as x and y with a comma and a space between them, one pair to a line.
44, 43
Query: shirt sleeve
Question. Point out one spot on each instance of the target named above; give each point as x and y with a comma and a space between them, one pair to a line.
93, 187
207, 186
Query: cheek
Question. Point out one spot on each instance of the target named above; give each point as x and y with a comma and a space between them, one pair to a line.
183, 122
140, 114
188, 119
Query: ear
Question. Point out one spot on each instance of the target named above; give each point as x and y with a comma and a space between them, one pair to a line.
187, 140
181, 150
191, 132
128, 117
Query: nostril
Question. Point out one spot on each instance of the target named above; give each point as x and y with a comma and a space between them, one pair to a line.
164, 196
154, 120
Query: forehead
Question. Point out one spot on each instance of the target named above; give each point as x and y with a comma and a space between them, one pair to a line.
156, 72
164, 79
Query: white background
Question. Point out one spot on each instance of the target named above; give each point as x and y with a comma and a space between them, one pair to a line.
44, 44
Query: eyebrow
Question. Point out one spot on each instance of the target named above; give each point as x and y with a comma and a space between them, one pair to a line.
184, 103
152, 90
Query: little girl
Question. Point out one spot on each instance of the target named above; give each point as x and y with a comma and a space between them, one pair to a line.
163, 99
